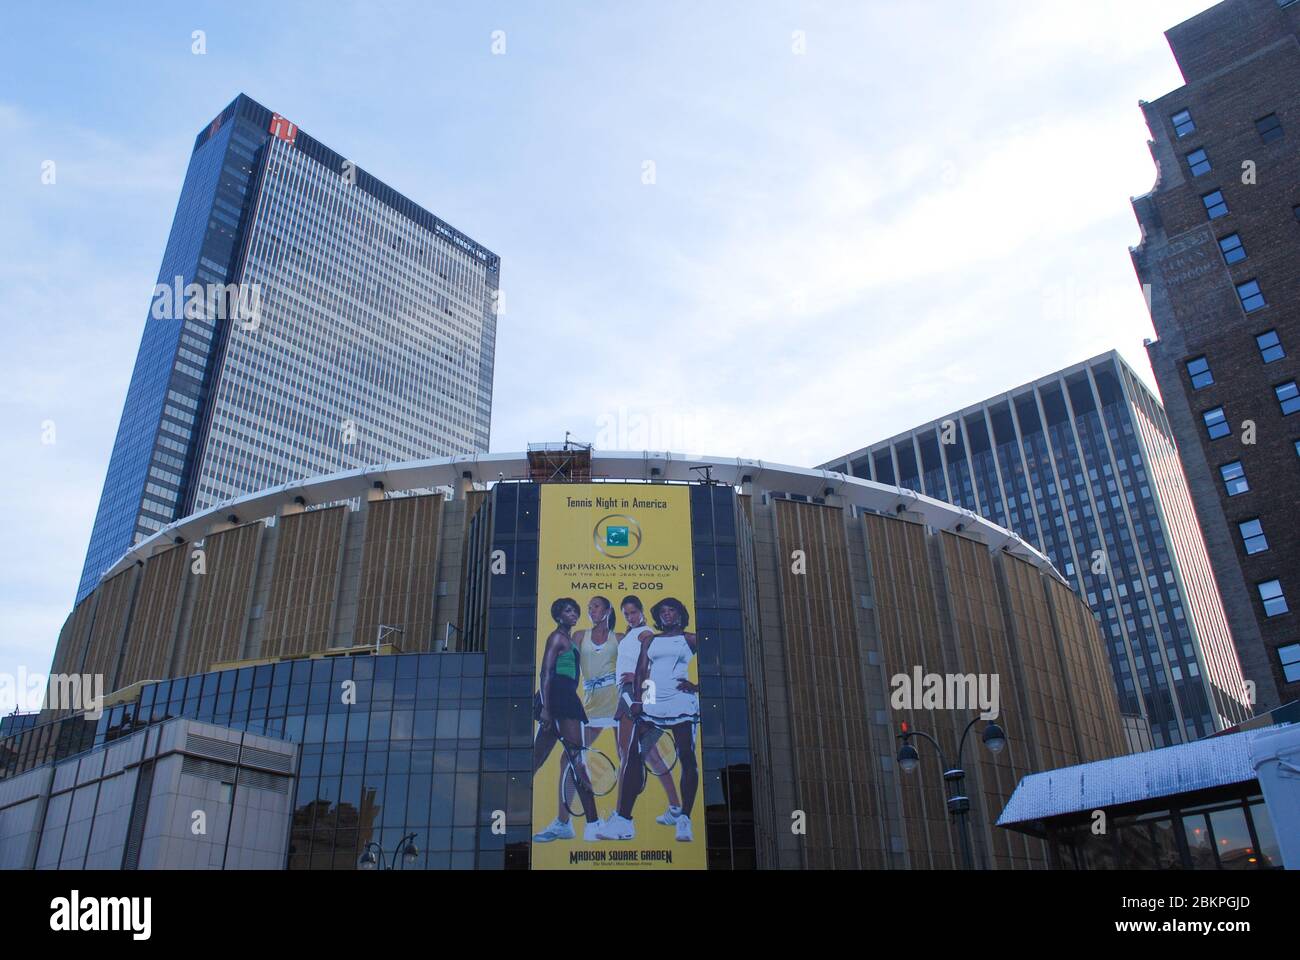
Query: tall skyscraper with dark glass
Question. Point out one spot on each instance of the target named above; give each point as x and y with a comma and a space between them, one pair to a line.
308, 319
1220, 260
1082, 465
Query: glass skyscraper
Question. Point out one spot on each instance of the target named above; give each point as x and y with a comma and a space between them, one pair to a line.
367, 333
1082, 464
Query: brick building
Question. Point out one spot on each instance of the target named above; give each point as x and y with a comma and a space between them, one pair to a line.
1219, 256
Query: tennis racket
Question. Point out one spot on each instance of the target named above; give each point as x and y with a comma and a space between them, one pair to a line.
658, 749
601, 773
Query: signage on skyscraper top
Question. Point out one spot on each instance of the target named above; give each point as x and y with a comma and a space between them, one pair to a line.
286, 130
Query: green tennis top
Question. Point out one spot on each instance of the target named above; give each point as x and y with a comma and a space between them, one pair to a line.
566, 664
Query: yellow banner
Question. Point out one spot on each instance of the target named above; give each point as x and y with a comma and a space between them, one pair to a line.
616, 750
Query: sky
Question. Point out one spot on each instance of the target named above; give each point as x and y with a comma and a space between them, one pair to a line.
757, 229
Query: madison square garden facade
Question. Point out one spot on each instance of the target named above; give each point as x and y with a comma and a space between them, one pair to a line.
366, 656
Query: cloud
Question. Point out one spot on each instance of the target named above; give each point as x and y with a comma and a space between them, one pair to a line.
928, 207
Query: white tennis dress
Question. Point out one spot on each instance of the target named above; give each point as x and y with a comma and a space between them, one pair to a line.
629, 650
670, 660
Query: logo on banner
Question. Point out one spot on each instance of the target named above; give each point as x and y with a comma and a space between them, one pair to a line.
617, 536
284, 129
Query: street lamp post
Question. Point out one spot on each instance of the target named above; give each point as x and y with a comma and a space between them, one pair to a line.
372, 856
954, 777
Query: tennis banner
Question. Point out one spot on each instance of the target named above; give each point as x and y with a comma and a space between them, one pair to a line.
616, 751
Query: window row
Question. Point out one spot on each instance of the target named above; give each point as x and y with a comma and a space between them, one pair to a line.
1216, 206
1234, 476
1269, 128
1270, 350
1288, 402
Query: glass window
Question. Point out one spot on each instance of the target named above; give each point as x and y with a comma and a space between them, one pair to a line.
1288, 397
1234, 478
1183, 123
1233, 249
1148, 843
1252, 298
1270, 594
1198, 162
1252, 536
1216, 423
1168, 857
1270, 346
1232, 839
1199, 846
1198, 369
1269, 128
1082, 850
1290, 658
1215, 205
1269, 853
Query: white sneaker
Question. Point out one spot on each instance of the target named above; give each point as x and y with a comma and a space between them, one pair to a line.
615, 827
669, 817
591, 832
558, 830
684, 828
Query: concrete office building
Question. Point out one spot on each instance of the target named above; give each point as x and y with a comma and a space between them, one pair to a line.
362, 330
178, 795
1082, 465
401, 596
1220, 256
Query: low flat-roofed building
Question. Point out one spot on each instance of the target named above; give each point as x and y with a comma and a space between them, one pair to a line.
1216, 804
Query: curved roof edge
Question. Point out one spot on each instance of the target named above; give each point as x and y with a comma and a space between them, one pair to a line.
605, 465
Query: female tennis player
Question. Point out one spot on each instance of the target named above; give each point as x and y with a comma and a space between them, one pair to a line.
560, 714
629, 651
597, 651
664, 659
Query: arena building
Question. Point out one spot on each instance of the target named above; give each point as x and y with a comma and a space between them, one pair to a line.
408, 653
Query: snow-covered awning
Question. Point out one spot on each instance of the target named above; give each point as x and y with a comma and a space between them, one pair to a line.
1213, 762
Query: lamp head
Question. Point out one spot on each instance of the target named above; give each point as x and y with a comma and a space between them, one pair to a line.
410, 852
908, 758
